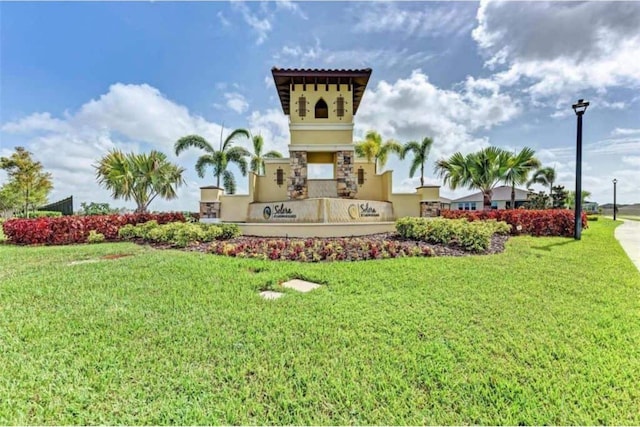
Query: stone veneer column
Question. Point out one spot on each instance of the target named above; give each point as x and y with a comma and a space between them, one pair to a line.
209, 209
429, 209
297, 188
347, 185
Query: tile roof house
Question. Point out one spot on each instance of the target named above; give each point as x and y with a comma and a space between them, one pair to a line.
501, 199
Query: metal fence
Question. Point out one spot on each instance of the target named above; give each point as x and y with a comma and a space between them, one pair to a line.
65, 206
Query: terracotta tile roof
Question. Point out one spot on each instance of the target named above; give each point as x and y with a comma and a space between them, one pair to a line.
284, 77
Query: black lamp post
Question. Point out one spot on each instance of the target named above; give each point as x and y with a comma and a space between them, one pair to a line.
579, 108
615, 207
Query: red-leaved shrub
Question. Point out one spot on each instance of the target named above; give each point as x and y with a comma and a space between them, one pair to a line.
547, 222
75, 229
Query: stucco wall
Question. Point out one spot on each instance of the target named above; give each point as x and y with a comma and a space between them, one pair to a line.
267, 189
319, 137
234, 207
405, 205
313, 94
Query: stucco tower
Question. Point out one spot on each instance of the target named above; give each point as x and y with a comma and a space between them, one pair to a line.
321, 105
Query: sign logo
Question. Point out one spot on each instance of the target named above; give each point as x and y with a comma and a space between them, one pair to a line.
366, 210
266, 213
353, 211
277, 211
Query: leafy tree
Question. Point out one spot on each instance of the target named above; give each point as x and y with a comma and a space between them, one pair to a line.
28, 183
9, 199
420, 152
482, 171
558, 197
139, 177
375, 150
257, 158
538, 200
544, 176
518, 167
571, 198
218, 159
94, 208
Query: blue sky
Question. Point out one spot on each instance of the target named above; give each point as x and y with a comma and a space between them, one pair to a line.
77, 79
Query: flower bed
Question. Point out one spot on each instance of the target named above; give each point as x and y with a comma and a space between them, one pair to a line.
76, 229
320, 249
547, 222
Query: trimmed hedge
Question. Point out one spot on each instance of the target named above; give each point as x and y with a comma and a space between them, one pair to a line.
75, 229
470, 236
178, 233
41, 214
547, 222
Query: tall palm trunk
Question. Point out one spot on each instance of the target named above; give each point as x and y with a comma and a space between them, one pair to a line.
513, 196
422, 175
486, 203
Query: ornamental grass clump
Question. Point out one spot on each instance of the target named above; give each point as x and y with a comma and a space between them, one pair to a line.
471, 236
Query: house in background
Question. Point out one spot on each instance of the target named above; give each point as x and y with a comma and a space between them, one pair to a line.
590, 207
501, 199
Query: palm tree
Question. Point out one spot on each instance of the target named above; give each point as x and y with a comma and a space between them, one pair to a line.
545, 177
257, 158
218, 159
141, 177
420, 152
373, 149
482, 171
518, 167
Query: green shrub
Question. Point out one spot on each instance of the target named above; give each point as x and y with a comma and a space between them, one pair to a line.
95, 237
128, 231
592, 217
472, 236
41, 214
179, 233
229, 231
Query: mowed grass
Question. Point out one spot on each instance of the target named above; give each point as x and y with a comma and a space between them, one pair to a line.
546, 333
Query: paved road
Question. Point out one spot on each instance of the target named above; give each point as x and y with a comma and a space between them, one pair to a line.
629, 236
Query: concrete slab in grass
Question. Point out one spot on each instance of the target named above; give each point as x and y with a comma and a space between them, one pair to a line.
271, 294
300, 285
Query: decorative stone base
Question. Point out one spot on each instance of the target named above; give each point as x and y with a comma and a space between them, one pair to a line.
210, 210
429, 209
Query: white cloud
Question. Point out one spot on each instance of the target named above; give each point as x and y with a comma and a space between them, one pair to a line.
632, 160
273, 125
261, 25
558, 49
236, 102
261, 19
623, 145
318, 57
128, 117
413, 108
625, 131
223, 20
427, 21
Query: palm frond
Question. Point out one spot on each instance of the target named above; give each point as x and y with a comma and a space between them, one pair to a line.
229, 182
192, 141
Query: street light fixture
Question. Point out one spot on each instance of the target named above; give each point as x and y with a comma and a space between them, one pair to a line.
579, 108
615, 208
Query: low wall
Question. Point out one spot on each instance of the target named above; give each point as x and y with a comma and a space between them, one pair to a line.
315, 230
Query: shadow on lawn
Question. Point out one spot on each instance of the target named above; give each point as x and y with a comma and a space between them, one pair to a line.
552, 245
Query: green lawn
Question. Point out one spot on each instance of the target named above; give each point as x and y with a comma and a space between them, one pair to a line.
546, 333
631, 217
